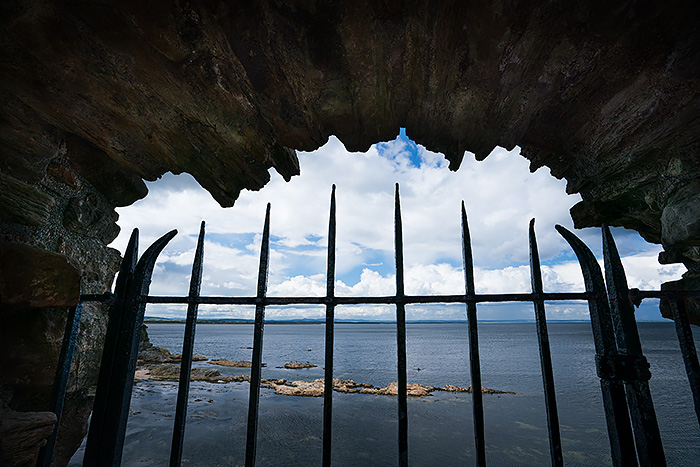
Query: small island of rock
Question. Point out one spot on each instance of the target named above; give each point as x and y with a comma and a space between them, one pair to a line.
298, 365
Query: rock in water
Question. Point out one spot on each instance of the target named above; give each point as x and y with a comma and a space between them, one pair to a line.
232, 363
298, 365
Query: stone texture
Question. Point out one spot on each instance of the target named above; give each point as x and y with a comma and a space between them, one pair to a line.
98, 96
605, 95
690, 282
680, 221
22, 435
31, 277
23, 203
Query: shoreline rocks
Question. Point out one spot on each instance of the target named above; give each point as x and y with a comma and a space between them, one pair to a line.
160, 365
299, 388
152, 354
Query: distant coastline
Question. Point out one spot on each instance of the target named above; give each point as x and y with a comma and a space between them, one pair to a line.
159, 320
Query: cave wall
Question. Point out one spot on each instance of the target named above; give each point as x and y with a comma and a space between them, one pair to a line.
97, 97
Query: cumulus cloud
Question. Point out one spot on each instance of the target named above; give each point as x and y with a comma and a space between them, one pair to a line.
500, 195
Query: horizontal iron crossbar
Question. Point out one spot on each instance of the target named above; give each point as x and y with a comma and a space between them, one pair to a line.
389, 299
635, 295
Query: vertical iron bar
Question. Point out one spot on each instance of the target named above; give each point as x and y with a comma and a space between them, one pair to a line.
111, 442
550, 397
641, 407
330, 319
255, 371
617, 418
475, 365
690, 356
104, 380
60, 384
183, 389
401, 334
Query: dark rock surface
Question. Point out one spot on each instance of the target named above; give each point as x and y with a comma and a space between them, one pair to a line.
98, 96
22, 435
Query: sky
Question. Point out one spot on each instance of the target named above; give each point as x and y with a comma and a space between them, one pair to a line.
500, 195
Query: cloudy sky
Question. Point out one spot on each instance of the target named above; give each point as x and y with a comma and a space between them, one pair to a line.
500, 194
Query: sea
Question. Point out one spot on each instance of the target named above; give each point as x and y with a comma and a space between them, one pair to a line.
440, 426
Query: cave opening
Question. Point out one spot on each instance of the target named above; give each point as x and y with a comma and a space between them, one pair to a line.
500, 193
291, 284
98, 97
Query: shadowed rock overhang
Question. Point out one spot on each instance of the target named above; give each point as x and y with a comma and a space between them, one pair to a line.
604, 95
98, 96
103, 95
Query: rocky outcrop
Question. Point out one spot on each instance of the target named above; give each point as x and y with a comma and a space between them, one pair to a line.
153, 354
298, 365
171, 372
165, 371
99, 96
232, 363
313, 388
316, 387
22, 435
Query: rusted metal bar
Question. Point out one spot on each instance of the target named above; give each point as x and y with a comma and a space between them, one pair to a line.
550, 397
475, 364
330, 322
107, 450
690, 356
622, 448
183, 388
641, 407
256, 368
60, 384
401, 335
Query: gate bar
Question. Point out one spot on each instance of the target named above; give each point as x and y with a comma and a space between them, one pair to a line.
330, 319
690, 356
550, 397
60, 384
116, 311
475, 365
255, 371
107, 449
183, 388
646, 429
401, 335
376, 300
622, 449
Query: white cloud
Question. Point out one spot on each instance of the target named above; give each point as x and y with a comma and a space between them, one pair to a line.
500, 194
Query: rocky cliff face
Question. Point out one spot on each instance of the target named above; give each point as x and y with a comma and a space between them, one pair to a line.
98, 96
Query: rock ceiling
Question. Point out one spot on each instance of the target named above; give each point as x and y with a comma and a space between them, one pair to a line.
98, 96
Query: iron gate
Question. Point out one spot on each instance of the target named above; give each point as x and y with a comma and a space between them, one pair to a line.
622, 368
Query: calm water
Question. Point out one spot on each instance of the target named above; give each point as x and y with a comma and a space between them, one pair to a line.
440, 426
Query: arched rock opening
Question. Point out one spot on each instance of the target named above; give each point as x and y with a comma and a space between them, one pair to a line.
97, 97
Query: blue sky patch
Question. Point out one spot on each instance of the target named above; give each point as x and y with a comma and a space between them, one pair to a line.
237, 241
401, 147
